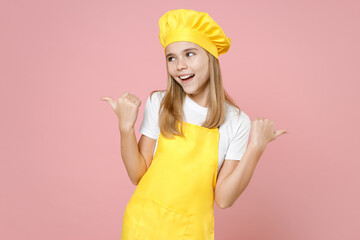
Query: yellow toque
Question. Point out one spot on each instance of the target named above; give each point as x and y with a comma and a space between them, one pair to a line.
192, 26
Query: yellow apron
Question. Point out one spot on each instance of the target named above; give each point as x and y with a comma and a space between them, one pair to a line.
175, 197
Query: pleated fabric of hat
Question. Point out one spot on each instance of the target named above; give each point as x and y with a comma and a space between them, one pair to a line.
193, 26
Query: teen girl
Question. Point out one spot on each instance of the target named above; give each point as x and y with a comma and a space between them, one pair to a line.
193, 138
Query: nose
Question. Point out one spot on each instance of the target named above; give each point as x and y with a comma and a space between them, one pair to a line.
181, 64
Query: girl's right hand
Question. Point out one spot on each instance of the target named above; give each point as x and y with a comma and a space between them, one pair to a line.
126, 109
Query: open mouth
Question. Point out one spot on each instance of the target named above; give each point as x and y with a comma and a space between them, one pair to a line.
187, 78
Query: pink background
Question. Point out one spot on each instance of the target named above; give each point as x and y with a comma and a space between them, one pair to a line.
295, 62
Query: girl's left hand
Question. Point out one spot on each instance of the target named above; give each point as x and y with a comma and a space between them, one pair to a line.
262, 132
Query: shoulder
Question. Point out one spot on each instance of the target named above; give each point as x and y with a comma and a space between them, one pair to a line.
236, 117
236, 123
156, 96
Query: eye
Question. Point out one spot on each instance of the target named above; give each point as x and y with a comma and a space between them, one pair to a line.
170, 59
189, 54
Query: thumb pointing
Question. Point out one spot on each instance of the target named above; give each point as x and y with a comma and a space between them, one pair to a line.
105, 98
280, 132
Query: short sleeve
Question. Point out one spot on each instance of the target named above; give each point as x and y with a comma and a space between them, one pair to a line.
149, 126
238, 144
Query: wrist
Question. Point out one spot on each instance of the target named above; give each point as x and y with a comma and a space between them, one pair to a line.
126, 130
257, 147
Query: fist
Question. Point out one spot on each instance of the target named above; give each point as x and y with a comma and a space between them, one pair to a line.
126, 108
262, 132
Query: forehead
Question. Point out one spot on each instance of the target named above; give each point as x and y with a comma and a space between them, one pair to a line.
178, 47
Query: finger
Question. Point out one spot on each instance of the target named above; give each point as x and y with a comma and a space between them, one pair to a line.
279, 132
125, 94
106, 98
110, 101
138, 102
132, 98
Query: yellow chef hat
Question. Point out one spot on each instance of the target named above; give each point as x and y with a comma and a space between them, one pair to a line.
192, 26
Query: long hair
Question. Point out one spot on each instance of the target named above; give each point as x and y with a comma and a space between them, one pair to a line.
171, 107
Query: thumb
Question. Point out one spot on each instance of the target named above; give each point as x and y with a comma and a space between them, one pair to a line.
106, 99
280, 132
110, 101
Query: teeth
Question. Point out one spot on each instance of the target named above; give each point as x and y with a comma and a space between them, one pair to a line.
185, 77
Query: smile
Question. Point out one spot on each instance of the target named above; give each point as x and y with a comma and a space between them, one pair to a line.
184, 77
187, 78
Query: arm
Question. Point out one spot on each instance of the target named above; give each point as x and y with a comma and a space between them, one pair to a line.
235, 176
137, 157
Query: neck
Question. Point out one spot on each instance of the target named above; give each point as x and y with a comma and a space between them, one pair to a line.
201, 100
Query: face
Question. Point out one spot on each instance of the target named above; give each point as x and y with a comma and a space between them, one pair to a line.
188, 64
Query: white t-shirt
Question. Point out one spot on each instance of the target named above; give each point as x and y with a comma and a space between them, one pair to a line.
233, 133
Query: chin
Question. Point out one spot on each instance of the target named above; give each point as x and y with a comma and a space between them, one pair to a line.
189, 91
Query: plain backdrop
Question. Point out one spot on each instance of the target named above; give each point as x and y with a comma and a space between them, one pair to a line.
294, 62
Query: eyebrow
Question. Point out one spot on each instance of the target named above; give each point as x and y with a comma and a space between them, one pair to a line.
185, 50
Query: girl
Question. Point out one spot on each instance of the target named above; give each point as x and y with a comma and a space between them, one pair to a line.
193, 138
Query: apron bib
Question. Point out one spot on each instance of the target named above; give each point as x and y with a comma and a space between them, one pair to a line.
175, 197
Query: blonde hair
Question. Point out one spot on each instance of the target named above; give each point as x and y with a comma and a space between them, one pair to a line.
171, 107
